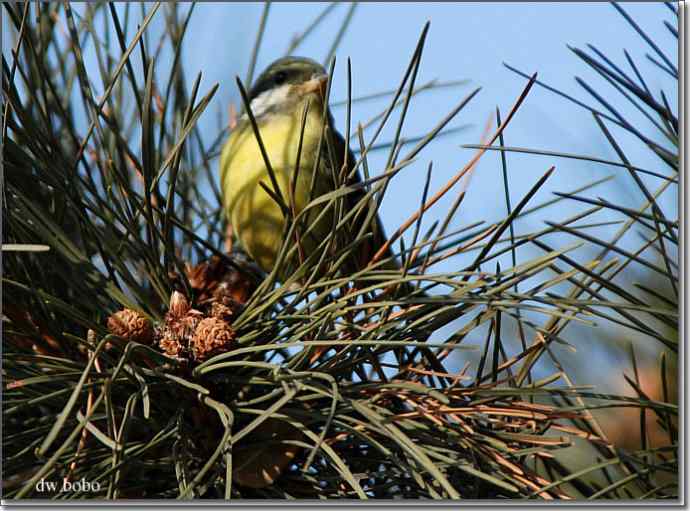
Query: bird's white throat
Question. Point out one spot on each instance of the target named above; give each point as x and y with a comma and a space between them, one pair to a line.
269, 100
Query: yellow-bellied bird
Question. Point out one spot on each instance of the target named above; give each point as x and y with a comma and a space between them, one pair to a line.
277, 101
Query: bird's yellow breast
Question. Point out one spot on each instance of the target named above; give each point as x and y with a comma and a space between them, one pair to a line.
256, 218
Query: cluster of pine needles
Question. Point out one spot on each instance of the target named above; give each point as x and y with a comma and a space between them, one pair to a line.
326, 385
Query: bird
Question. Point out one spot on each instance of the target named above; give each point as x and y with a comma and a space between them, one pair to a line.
278, 100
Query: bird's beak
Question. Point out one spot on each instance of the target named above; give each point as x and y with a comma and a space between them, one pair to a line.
317, 84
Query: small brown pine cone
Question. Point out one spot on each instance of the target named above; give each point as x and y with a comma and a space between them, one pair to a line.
217, 280
235, 287
212, 336
131, 325
177, 332
204, 277
221, 311
170, 344
187, 325
200, 275
179, 305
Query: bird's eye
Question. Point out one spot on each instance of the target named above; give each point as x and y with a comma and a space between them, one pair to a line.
280, 77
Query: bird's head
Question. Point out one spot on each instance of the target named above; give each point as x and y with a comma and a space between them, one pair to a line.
287, 83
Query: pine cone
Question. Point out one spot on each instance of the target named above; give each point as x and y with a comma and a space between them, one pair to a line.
179, 305
175, 336
212, 336
236, 286
205, 276
132, 326
170, 344
221, 311
218, 280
